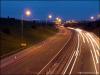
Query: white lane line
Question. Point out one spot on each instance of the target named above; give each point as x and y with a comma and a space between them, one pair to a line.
54, 56
94, 62
76, 57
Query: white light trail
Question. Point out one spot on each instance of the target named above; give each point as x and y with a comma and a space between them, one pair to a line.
69, 63
73, 65
93, 40
86, 37
79, 30
55, 56
94, 62
76, 56
93, 49
82, 36
98, 53
81, 33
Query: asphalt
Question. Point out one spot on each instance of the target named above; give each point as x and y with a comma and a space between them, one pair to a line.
80, 56
33, 59
71, 51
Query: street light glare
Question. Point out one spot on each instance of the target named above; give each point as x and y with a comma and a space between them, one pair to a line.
57, 18
50, 16
92, 17
28, 13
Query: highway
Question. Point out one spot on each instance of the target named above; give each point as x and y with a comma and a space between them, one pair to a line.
71, 51
80, 56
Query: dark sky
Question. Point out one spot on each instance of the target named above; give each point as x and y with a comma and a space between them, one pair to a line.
77, 10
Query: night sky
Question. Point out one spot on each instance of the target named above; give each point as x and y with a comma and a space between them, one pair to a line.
67, 10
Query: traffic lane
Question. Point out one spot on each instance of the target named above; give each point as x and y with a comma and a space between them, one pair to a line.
64, 57
84, 63
73, 59
26, 52
31, 62
57, 64
71, 56
94, 49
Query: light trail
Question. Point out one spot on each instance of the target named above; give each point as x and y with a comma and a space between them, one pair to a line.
81, 33
69, 63
93, 40
73, 65
71, 58
93, 43
82, 36
76, 56
54, 56
98, 53
94, 62
86, 37
93, 49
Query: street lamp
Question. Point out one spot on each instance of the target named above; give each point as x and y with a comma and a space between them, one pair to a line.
57, 18
58, 21
49, 16
92, 17
27, 13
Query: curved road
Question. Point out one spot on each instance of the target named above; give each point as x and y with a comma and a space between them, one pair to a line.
80, 56
71, 51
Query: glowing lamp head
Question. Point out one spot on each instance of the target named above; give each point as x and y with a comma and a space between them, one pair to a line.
28, 13
92, 17
57, 18
50, 16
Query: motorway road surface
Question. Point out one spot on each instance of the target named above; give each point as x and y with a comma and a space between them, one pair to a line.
71, 51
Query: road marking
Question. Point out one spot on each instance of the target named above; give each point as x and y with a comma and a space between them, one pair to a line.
54, 56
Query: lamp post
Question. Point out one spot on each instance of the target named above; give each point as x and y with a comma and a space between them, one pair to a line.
58, 21
27, 13
49, 17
